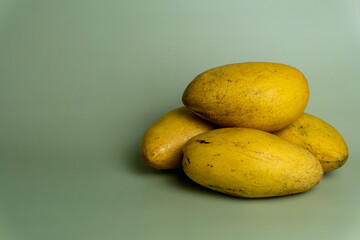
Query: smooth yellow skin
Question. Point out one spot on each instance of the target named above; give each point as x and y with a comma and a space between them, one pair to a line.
259, 95
320, 138
161, 145
250, 163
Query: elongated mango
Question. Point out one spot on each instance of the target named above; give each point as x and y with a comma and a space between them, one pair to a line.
320, 138
250, 163
161, 145
259, 95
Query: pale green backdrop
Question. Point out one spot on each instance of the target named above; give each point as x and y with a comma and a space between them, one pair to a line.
81, 80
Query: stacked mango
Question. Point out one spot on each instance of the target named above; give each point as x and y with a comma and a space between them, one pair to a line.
243, 132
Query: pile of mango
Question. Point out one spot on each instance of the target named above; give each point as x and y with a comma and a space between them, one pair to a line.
243, 132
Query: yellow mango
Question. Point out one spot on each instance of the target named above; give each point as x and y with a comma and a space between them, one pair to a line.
259, 95
320, 138
161, 145
250, 163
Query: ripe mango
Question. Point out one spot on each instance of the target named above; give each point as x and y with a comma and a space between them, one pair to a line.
161, 145
250, 163
320, 138
259, 95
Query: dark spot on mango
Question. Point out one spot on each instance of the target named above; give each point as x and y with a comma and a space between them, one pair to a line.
201, 114
231, 190
188, 159
202, 141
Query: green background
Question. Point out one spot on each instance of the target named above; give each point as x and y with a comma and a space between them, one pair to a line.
80, 82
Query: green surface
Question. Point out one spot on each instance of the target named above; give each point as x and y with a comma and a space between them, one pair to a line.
80, 82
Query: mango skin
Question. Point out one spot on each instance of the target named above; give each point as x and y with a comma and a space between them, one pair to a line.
249, 163
259, 95
162, 143
320, 138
